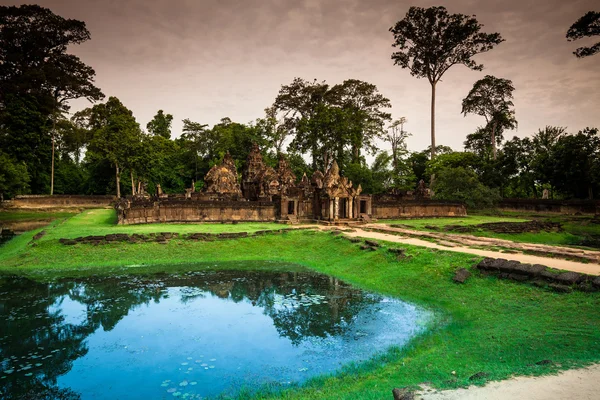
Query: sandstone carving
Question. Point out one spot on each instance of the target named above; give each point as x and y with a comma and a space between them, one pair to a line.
222, 178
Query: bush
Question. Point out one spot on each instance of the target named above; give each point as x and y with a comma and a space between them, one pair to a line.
462, 184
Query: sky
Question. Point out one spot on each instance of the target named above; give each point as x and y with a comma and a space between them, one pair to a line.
209, 59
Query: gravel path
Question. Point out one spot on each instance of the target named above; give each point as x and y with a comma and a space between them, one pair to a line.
580, 384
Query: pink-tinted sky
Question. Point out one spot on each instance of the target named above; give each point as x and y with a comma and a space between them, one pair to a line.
208, 59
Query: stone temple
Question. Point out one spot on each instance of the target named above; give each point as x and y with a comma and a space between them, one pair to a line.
268, 194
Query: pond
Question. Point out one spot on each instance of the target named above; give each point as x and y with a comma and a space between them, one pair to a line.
190, 335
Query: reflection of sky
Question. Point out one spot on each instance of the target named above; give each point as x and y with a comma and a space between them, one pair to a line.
73, 312
205, 345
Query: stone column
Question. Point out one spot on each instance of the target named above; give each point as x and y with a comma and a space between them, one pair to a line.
330, 216
350, 208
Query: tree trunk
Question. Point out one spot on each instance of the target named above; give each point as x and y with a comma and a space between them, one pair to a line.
52, 168
494, 150
355, 154
118, 178
132, 184
590, 192
433, 120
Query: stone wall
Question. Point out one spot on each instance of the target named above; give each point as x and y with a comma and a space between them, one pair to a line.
551, 206
46, 201
197, 211
416, 209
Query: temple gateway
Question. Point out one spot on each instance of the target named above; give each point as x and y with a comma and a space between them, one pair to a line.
268, 194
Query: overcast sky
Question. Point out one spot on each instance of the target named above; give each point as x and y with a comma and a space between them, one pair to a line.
209, 59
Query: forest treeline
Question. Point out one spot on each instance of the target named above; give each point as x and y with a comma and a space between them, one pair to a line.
103, 149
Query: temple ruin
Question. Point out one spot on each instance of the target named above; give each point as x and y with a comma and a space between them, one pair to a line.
269, 194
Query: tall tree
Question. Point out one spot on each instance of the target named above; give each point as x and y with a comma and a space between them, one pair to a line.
298, 102
396, 136
491, 98
116, 136
586, 26
365, 108
430, 41
160, 125
198, 140
303, 104
325, 135
34, 62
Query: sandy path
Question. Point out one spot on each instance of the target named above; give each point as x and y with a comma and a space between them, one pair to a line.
592, 269
454, 239
580, 384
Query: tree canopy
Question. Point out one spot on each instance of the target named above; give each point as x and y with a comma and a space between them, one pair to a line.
586, 26
491, 98
431, 40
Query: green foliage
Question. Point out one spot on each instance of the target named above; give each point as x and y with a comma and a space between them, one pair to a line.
462, 184
430, 41
37, 79
24, 127
566, 164
379, 178
576, 163
14, 177
116, 136
491, 98
160, 125
326, 121
454, 159
586, 26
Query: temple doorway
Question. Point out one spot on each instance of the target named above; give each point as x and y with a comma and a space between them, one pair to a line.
363, 207
343, 213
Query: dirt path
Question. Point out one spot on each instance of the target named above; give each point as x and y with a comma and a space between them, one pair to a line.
590, 268
580, 384
454, 239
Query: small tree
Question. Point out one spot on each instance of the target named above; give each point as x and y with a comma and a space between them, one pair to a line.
491, 98
116, 136
586, 26
430, 41
160, 125
462, 184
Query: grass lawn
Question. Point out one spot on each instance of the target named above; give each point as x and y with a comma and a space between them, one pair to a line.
576, 229
420, 223
487, 325
18, 215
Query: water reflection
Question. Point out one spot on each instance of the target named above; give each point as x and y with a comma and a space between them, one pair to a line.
188, 335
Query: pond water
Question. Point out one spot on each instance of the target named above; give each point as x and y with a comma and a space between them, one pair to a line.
192, 335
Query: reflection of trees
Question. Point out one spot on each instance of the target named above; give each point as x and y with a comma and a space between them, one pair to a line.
32, 333
314, 320
34, 329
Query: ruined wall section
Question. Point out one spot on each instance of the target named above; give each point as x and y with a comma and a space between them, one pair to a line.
59, 200
569, 207
197, 211
416, 209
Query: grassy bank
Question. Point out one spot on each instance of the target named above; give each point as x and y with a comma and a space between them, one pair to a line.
487, 325
576, 229
28, 215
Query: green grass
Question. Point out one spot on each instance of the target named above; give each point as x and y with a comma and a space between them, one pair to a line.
495, 326
575, 229
420, 223
18, 215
